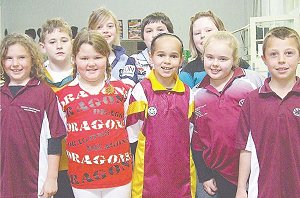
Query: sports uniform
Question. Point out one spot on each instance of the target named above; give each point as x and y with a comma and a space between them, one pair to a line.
216, 115
270, 128
97, 142
28, 121
159, 119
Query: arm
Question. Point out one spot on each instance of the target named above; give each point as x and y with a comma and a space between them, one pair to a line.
50, 185
244, 172
205, 174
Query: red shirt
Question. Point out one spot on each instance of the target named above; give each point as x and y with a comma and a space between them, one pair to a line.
269, 127
216, 119
97, 142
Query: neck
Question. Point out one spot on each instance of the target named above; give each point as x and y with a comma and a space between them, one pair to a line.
59, 66
219, 84
282, 87
168, 83
93, 87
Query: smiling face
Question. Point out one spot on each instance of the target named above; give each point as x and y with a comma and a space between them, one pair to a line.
91, 65
282, 57
202, 28
152, 30
218, 62
17, 65
108, 30
57, 46
166, 57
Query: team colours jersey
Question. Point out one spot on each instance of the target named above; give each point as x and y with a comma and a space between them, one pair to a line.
159, 119
28, 120
97, 142
216, 119
270, 128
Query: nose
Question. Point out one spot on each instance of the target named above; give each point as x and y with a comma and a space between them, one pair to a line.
281, 58
59, 45
15, 62
215, 62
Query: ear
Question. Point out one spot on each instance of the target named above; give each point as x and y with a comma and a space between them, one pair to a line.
42, 47
263, 59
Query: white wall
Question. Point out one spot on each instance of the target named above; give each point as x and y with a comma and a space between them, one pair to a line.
17, 16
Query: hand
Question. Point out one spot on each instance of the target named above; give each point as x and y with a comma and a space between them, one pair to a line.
49, 188
210, 186
241, 193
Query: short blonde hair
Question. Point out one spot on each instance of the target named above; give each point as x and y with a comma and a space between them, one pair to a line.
95, 39
282, 33
56, 23
230, 39
100, 16
37, 68
214, 18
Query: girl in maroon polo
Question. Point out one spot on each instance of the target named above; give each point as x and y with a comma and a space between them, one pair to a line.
218, 99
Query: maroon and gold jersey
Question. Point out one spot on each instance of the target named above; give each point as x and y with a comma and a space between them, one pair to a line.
159, 119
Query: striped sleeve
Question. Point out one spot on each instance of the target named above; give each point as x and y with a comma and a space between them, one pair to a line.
136, 112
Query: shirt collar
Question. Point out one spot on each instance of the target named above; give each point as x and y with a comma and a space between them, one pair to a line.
238, 72
265, 89
157, 86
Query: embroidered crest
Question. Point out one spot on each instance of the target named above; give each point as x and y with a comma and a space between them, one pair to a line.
296, 112
198, 111
152, 111
241, 102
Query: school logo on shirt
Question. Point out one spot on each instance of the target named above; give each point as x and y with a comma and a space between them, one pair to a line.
241, 102
296, 112
152, 111
199, 111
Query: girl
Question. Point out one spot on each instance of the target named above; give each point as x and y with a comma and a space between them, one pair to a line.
97, 142
158, 122
31, 126
106, 23
202, 25
218, 99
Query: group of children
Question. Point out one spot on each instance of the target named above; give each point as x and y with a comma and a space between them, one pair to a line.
120, 126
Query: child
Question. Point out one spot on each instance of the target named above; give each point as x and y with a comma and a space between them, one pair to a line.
269, 125
202, 25
158, 122
152, 25
56, 43
218, 99
31, 126
97, 142
105, 22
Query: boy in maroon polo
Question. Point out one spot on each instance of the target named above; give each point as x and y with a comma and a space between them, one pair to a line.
269, 126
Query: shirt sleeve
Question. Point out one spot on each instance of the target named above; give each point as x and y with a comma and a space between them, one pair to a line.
54, 146
135, 113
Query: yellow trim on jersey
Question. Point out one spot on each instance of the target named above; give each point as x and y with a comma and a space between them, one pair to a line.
157, 86
193, 176
138, 172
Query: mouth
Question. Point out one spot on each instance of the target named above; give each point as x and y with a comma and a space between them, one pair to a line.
166, 68
282, 69
16, 70
215, 71
60, 53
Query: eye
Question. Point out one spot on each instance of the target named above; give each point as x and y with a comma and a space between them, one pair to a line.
223, 59
209, 57
174, 56
160, 55
65, 40
111, 25
289, 53
83, 58
148, 31
273, 54
52, 42
8, 58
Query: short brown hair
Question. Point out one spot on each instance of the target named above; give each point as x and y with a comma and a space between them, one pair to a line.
56, 23
282, 33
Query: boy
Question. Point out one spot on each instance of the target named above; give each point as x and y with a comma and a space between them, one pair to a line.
269, 123
152, 25
56, 43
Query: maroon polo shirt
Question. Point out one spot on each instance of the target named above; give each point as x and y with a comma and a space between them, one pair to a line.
216, 119
269, 127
